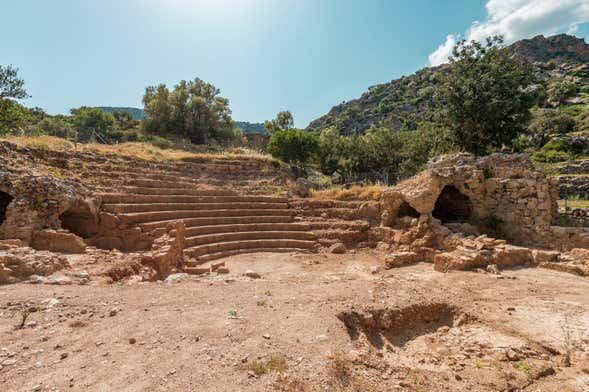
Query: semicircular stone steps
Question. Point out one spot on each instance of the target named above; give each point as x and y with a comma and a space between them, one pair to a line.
219, 222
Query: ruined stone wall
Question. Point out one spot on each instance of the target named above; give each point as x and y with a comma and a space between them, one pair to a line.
501, 195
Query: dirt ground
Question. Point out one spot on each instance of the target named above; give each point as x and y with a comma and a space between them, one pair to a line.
313, 322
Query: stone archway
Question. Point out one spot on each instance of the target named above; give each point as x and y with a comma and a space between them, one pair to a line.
452, 206
79, 221
5, 200
405, 210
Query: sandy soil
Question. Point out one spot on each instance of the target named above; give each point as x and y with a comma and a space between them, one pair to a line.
464, 331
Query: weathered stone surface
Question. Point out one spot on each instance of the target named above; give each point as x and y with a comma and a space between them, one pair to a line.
167, 251
10, 244
38, 201
399, 259
501, 194
17, 264
338, 248
369, 210
302, 187
459, 259
58, 241
544, 256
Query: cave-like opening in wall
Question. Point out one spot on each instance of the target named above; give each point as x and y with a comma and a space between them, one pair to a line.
452, 206
406, 210
5, 200
79, 221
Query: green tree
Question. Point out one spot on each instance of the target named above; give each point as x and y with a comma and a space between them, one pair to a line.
11, 86
293, 146
193, 110
13, 116
58, 126
283, 122
124, 119
92, 124
483, 98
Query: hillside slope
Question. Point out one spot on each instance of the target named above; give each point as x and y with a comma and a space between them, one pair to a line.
410, 97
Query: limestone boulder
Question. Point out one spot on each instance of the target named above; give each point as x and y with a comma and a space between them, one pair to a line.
510, 255
19, 263
399, 259
338, 248
369, 210
58, 241
545, 256
460, 259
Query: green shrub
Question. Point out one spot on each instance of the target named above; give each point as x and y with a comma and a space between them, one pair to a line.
58, 127
293, 146
556, 150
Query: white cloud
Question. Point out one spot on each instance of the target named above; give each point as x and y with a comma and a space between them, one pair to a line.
517, 19
444, 51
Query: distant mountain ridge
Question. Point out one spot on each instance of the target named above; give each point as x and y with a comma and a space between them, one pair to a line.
139, 114
248, 127
410, 97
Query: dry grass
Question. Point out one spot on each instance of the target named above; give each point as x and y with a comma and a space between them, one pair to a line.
356, 192
574, 203
145, 151
273, 363
340, 371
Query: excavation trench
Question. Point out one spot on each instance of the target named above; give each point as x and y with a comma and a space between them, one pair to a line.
400, 325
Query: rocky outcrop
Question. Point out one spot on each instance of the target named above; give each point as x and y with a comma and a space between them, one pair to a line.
40, 202
18, 263
58, 241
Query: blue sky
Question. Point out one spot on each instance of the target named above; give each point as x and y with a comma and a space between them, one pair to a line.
264, 55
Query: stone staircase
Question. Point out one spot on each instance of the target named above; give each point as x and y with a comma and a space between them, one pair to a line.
224, 203
219, 222
333, 221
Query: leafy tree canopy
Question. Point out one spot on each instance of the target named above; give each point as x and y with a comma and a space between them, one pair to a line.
283, 122
192, 110
484, 97
293, 145
92, 123
11, 86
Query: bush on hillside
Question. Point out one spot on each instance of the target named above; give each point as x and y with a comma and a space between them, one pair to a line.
556, 150
293, 146
59, 127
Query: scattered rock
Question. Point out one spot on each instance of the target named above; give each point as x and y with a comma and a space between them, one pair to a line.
223, 270
398, 259
322, 338
176, 278
113, 312
266, 336
252, 274
338, 248
9, 362
512, 355
132, 341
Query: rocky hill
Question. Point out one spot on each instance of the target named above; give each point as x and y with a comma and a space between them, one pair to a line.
410, 97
